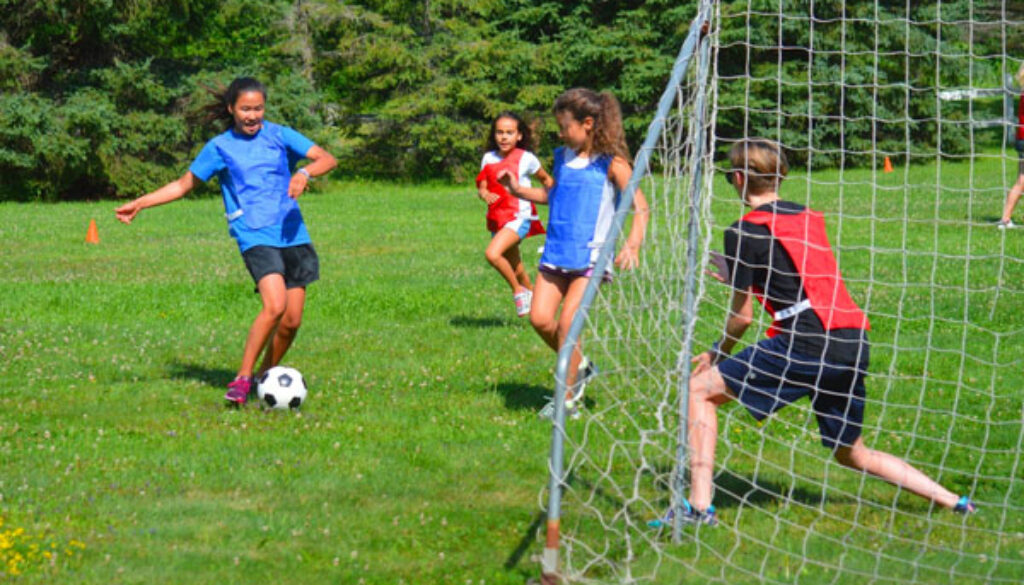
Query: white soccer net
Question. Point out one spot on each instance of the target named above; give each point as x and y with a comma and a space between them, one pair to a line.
842, 89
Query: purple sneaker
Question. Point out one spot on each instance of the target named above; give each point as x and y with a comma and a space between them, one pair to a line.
239, 389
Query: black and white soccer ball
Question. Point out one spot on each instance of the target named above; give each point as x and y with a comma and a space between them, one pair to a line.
281, 388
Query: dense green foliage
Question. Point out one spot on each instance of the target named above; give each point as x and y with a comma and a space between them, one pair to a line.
98, 96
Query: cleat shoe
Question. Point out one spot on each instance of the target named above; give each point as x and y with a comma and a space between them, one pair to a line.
708, 517
965, 506
523, 302
586, 372
1005, 225
239, 389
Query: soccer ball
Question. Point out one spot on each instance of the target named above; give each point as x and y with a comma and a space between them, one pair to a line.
281, 388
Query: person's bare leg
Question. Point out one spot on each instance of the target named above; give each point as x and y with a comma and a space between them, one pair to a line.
275, 299
895, 471
496, 254
286, 329
1012, 197
708, 391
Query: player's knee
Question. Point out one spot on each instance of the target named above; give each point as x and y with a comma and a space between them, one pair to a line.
290, 323
493, 256
543, 323
274, 308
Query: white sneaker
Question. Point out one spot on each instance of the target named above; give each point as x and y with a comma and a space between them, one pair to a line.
548, 411
1005, 225
586, 371
523, 302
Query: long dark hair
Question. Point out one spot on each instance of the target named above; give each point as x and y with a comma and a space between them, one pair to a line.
217, 110
609, 137
525, 132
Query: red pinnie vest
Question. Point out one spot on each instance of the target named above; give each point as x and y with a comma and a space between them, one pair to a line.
506, 208
1020, 118
803, 237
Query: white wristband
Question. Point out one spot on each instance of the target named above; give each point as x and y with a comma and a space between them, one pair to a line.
305, 172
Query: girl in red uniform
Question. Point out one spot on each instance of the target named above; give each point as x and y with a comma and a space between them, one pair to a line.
1014, 195
510, 219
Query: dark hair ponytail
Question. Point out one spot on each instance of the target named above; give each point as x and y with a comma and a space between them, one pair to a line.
217, 110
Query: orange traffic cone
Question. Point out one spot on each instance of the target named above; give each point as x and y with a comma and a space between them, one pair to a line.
888, 165
93, 235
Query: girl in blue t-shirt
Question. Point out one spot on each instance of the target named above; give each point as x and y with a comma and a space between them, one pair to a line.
589, 173
254, 161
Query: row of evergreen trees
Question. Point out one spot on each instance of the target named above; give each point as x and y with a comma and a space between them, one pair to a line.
101, 98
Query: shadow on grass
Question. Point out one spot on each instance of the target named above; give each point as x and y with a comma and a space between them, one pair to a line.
523, 396
731, 491
216, 377
527, 542
479, 322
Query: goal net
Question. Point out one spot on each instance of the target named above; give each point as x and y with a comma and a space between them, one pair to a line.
894, 118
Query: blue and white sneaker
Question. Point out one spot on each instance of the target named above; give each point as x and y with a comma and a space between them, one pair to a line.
965, 506
708, 517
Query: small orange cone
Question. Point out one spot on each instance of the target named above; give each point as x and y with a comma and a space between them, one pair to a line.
888, 165
93, 235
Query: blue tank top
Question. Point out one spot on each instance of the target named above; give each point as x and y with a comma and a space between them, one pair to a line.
575, 206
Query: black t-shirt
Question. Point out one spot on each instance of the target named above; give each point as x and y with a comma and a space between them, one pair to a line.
755, 258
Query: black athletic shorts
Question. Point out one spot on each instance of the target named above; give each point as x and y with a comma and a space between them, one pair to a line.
299, 265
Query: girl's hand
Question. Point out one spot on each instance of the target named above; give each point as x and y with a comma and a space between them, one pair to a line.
488, 197
127, 212
508, 180
628, 257
721, 268
297, 185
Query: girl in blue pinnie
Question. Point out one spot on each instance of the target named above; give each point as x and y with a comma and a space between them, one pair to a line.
254, 160
590, 171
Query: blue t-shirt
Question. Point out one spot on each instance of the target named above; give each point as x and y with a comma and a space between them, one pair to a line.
254, 172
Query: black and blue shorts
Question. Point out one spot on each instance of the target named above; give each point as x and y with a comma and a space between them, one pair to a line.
299, 265
768, 376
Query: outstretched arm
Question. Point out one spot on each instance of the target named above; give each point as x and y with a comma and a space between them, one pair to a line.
322, 163
169, 192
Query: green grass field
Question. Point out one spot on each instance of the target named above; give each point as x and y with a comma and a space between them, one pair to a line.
418, 457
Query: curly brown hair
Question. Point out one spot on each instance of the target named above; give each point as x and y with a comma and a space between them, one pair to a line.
582, 103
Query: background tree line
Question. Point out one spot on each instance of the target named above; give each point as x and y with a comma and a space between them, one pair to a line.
101, 98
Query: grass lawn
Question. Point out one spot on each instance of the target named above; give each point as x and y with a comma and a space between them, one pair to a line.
419, 457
